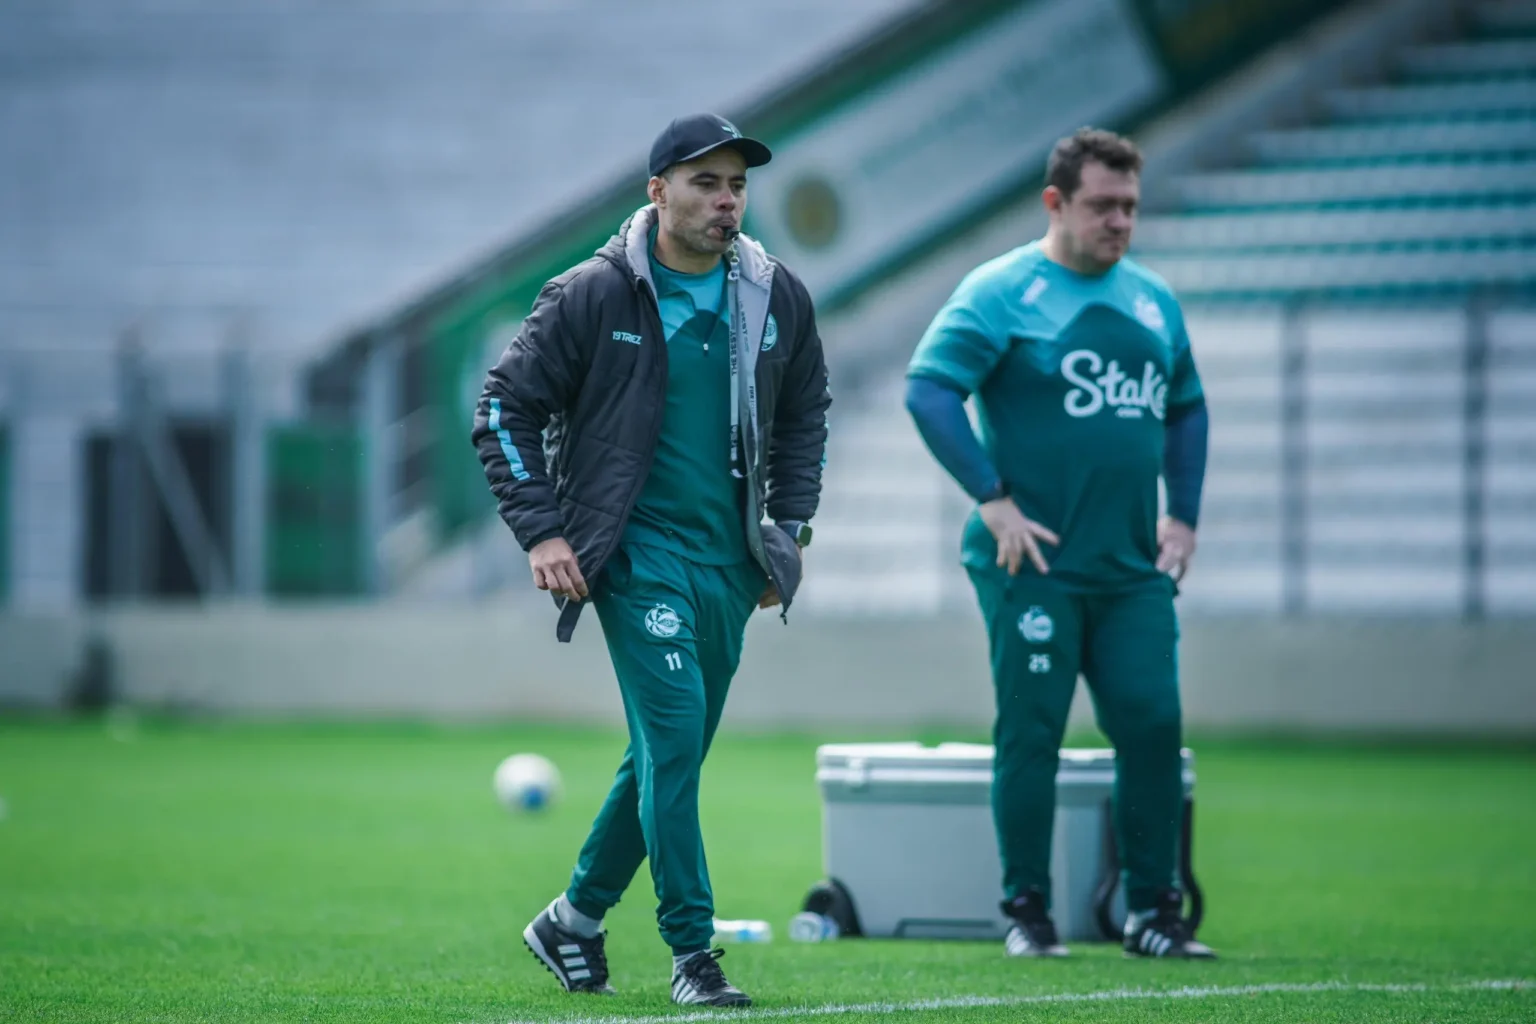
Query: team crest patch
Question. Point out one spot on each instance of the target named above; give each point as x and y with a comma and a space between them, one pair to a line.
663, 622
1036, 626
770, 333
1149, 313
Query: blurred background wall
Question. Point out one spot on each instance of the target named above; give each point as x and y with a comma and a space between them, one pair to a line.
255, 260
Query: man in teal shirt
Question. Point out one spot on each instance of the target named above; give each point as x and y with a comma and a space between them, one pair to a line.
691, 503
1087, 392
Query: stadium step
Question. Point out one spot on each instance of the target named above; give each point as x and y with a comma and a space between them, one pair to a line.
1323, 228
1271, 274
1464, 99
1461, 183
1454, 60
1398, 141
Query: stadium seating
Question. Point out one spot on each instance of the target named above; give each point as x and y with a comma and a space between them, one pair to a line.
1374, 443
1420, 186
1426, 180
181, 161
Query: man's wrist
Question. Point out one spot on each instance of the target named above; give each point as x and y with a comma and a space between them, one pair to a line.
540, 538
997, 492
799, 532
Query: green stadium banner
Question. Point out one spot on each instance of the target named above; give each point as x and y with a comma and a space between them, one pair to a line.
315, 544
886, 173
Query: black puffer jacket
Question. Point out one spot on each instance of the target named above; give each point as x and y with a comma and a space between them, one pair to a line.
567, 425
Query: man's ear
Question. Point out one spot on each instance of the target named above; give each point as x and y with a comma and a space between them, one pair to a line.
1053, 199
656, 189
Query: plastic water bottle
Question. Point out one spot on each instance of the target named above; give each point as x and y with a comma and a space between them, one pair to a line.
810, 927
742, 931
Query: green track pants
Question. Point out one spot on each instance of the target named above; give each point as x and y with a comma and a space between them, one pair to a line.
1125, 645
674, 630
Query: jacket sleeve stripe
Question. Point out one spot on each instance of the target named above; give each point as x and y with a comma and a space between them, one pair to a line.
826, 426
514, 460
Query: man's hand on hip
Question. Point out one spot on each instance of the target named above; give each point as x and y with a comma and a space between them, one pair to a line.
1175, 547
555, 569
1017, 537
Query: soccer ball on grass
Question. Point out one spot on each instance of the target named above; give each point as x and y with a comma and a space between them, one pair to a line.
527, 782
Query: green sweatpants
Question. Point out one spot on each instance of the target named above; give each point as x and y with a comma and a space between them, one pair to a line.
674, 630
1125, 645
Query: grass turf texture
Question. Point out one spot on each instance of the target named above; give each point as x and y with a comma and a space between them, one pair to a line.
175, 872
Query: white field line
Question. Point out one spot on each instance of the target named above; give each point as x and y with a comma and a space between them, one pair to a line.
968, 1002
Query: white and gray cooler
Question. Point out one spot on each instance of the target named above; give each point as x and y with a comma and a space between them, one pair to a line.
909, 848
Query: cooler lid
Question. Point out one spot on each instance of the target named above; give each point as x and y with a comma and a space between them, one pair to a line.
904, 755
953, 755
950, 773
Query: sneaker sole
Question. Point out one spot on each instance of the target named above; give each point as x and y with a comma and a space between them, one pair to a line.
733, 1004
1127, 954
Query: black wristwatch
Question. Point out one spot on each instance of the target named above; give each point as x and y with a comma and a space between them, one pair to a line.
798, 532
999, 491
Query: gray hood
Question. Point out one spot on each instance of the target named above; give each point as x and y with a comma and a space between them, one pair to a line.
756, 272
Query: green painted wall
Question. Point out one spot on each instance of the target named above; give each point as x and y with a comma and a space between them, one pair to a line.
314, 512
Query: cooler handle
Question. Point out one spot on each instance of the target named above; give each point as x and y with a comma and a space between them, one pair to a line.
1104, 896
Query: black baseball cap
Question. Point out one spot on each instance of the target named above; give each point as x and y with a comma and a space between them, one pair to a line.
689, 138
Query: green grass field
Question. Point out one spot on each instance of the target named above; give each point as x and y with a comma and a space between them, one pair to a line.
172, 872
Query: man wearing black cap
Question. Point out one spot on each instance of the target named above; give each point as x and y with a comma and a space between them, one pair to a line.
660, 399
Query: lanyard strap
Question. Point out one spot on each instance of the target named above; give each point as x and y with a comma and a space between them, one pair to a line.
736, 332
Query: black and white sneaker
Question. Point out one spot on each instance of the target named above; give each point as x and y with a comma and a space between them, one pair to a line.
578, 964
699, 981
1163, 933
1032, 933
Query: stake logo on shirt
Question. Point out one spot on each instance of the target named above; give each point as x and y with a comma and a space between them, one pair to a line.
1098, 385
